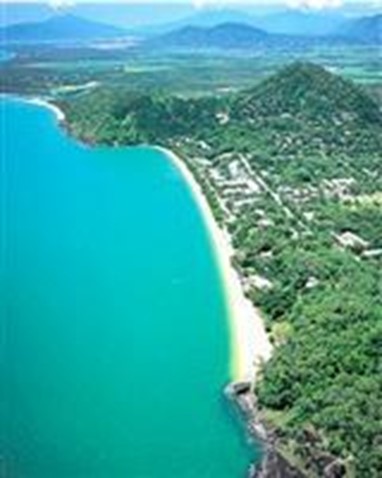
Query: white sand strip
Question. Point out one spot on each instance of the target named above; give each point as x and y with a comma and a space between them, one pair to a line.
250, 345
44, 103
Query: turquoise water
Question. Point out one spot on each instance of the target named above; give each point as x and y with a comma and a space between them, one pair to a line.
114, 329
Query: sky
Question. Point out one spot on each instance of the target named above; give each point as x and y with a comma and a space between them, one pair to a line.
315, 4
201, 3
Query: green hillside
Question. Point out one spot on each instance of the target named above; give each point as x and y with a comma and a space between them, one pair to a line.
316, 110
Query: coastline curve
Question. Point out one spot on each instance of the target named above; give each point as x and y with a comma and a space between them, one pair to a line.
249, 342
250, 346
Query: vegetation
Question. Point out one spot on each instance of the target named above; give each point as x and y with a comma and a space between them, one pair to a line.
114, 117
311, 226
53, 70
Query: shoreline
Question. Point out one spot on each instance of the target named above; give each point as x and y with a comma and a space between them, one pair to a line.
38, 101
249, 342
59, 114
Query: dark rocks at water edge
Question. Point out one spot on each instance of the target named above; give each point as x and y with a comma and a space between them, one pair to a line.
274, 464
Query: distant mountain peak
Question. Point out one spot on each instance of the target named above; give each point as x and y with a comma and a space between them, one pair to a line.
365, 29
232, 25
64, 26
224, 35
306, 22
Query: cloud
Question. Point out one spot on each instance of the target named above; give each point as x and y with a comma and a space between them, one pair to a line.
308, 4
61, 4
215, 4
315, 4
198, 3
204, 3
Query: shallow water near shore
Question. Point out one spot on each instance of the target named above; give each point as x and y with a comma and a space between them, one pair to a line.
115, 325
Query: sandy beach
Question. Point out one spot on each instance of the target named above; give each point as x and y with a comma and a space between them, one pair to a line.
44, 103
250, 345
60, 115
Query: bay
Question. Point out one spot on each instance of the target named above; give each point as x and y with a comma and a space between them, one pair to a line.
114, 322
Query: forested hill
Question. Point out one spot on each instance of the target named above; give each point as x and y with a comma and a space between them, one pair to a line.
109, 116
292, 168
309, 91
305, 109
301, 109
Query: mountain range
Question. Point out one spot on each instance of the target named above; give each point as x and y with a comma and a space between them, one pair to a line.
63, 27
209, 29
226, 35
242, 35
302, 22
176, 14
288, 22
365, 30
205, 18
238, 35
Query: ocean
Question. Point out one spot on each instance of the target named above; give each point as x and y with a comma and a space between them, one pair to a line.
115, 336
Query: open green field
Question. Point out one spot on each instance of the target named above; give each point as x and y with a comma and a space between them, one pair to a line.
48, 70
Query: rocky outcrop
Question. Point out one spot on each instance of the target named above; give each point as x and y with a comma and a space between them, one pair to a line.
273, 465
